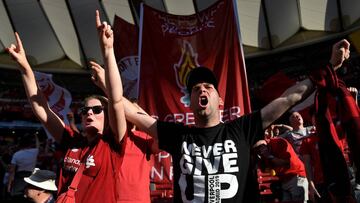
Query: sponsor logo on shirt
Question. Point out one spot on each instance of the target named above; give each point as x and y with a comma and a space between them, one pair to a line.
90, 161
71, 164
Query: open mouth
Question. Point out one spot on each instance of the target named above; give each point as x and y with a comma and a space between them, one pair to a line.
88, 120
203, 101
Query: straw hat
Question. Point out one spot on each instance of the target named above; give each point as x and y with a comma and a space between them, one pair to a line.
43, 179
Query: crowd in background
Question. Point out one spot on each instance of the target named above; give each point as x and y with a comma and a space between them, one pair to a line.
298, 135
289, 156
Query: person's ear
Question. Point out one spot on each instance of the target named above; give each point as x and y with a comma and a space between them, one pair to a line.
221, 102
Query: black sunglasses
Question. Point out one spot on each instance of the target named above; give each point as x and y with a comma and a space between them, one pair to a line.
95, 109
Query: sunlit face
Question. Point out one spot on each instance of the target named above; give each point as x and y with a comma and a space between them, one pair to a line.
92, 120
205, 100
296, 119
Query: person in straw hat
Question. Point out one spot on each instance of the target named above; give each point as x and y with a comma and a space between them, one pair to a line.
41, 185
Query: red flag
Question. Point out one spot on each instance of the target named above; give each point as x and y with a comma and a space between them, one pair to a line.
275, 85
173, 45
126, 53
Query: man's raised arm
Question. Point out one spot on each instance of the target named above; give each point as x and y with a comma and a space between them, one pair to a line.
300, 91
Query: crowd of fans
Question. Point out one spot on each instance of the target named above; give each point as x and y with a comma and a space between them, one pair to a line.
289, 162
288, 155
289, 148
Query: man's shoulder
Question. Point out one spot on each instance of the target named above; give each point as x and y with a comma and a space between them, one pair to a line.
26, 151
168, 124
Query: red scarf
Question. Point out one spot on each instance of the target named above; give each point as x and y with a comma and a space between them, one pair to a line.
335, 168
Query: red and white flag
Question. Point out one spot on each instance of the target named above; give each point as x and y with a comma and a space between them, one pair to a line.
58, 98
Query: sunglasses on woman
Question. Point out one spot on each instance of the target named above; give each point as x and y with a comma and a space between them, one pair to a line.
95, 109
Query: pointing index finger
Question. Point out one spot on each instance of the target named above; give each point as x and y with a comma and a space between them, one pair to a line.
98, 22
18, 40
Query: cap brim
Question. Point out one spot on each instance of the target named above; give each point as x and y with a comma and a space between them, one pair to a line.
46, 185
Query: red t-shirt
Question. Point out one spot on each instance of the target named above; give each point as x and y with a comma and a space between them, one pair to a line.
282, 149
135, 168
309, 146
98, 182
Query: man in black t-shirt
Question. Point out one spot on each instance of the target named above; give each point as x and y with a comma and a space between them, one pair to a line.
211, 160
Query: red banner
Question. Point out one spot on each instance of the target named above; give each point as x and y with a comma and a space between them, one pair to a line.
171, 46
126, 53
126, 37
275, 85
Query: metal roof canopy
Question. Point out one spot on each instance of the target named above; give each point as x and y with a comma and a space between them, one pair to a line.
60, 35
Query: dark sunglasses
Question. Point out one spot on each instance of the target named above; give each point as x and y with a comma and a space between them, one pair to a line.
95, 109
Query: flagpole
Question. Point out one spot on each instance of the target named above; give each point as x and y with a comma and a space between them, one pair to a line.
139, 47
237, 22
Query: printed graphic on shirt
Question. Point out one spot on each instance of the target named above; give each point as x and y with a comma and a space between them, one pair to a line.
73, 164
90, 161
208, 168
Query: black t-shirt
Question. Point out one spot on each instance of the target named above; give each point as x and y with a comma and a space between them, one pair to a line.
211, 164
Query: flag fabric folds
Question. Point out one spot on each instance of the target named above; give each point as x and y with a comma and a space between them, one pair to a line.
126, 52
172, 45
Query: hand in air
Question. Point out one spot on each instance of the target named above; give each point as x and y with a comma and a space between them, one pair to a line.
340, 52
97, 75
17, 52
106, 36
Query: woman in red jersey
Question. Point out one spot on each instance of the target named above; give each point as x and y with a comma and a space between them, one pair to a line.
97, 148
